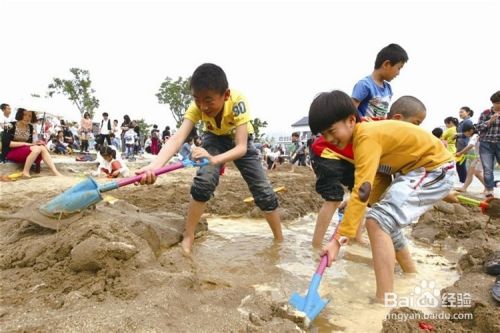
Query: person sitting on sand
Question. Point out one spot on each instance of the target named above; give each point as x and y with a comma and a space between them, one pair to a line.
18, 145
227, 137
109, 164
422, 168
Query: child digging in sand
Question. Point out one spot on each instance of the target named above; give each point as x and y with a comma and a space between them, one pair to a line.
227, 137
333, 167
423, 173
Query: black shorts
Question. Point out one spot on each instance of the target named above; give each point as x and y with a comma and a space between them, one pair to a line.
331, 174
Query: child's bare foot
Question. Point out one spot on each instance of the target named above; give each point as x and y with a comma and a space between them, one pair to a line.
361, 241
25, 176
376, 300
187, 244
58, 174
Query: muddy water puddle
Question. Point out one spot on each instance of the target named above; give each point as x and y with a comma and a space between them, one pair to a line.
245, 250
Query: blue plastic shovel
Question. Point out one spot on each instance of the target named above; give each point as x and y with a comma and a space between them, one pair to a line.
88, 192
312, 304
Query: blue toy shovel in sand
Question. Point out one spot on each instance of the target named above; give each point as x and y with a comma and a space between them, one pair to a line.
312, 304
88, 192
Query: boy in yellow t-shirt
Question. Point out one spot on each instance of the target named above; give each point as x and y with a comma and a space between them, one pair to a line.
423, 174
227, 138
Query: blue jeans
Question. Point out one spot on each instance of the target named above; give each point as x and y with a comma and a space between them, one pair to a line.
489, 152
250, 167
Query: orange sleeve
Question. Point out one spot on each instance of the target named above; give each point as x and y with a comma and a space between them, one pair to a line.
366, 160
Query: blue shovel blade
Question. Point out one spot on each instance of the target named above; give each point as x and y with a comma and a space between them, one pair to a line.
311, 304
74, 199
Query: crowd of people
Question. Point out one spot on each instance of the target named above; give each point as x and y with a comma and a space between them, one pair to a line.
378, 153
474, 145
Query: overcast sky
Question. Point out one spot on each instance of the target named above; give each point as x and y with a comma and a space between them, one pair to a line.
280, 54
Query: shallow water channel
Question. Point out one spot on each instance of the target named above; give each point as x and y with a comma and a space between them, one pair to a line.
245, 250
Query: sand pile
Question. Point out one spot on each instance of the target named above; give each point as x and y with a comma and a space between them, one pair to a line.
452, 227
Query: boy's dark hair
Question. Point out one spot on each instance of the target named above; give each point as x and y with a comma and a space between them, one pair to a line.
437, 132
20, 113
295, 134
107, 151
407, 106
468, 110
209, 77
3, 106
85, 114
105, 114
495, 98
392, 52
451, 120
469, 126
328, 108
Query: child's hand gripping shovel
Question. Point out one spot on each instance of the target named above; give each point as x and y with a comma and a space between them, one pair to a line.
312, 304
88, 192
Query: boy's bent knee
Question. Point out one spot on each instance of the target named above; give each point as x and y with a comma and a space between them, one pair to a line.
267, 204
200, 194
329, 191
36, 149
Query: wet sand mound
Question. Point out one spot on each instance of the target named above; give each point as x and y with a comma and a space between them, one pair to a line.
451, 227
115, 268
171, 193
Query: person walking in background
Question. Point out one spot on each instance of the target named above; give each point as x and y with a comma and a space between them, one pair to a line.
5, 120
489, 141
130, 139
166, 134
5, 117
450, 134
105, 129
116, 133
465, 113
474, 167
124, 127
155, 140
372, 94
299, 152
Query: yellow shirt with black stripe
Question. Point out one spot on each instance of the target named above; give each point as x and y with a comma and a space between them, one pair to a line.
382, 149
235, 113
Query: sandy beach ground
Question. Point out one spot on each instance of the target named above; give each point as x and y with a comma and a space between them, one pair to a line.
117, 268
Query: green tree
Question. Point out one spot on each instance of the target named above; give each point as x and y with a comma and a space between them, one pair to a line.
177, 95
143, 126
257, 126
77, 89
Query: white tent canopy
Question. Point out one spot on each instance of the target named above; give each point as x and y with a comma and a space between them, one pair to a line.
57, 106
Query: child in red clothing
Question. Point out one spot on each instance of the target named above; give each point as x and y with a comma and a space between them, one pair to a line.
110, 165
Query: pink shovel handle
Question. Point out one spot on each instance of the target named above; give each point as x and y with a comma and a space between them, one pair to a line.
324, 258
157, 172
